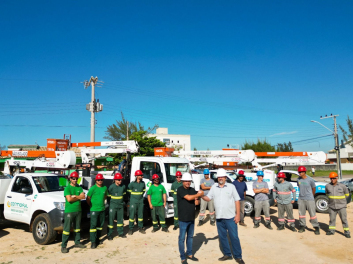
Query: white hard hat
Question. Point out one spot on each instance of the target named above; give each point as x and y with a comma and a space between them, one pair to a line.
221, 173
186, 177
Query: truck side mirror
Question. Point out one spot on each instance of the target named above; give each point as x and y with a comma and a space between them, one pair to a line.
26, 190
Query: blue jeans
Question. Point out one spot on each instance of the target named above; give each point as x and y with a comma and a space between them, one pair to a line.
228, 226
186, 228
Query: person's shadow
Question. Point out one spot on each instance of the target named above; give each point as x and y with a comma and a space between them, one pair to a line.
200, 239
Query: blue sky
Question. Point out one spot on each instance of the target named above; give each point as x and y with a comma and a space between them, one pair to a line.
222, 71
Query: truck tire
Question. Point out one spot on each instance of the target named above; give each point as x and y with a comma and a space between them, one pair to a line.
249, 206
321, 203
43, 232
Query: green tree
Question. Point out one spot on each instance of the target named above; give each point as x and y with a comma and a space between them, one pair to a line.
147, 144
119, 130
259, 146
284, 147
348, 135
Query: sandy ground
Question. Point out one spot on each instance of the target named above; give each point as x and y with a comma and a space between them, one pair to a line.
259, 245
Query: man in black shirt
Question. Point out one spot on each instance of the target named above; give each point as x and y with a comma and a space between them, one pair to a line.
186, 210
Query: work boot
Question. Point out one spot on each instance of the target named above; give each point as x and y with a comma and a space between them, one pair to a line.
213, 223
269, 226
165, 229
293, 229
154, 230
329, 233
110, 238
93, 245
200, 223
347, 234
242, 223
80, 245
225, 257
64, 250
256, 225
122, 236
301, 229
281, 227
142, 231
317, 231
240, 261
175, 227
130, 232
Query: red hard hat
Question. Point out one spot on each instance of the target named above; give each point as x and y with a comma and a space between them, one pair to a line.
178, 173
301, 168
241, 172
118, 176
281, 175
99, 177
155, 176
138, 173
74, 174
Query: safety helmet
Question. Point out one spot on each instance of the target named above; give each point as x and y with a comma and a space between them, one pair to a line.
301, 169
99, 177
333, 175
221, 173
138, 173
155, 176
260, 173
186, 177
118, 176
281, 175
178, 173
206, 171
74, 174
241, 173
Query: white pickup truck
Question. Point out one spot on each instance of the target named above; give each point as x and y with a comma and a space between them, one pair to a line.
250, 195
36, 199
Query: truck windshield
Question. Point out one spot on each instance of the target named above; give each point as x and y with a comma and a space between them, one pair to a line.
172, 168
47, 184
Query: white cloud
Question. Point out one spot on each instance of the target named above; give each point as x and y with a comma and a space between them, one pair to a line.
284, 133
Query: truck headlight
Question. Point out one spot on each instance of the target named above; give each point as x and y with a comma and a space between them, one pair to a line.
170, 206
59, 205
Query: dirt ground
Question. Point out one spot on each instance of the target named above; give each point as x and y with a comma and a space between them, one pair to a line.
259, 245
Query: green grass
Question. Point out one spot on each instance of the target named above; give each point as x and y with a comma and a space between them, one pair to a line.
326, 173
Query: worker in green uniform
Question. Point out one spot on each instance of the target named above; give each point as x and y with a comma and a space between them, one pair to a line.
157, 199
174, 188
96, 197
72, 216
136, 189
116, 191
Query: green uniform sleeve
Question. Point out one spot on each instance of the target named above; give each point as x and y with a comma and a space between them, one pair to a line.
144, 186
66, 191
129, 188
110, 190
81, 190
106, 191
164, 191
149, 192
90, 191
124, 190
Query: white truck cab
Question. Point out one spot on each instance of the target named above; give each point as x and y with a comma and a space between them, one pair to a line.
36, 199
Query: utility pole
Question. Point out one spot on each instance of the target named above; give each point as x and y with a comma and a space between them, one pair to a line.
94, 106
337, 146
127, 131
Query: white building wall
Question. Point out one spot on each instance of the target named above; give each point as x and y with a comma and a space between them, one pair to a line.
172, 140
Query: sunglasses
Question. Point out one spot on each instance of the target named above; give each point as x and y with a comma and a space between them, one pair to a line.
178, 176
99, 180
118, 180
74, 179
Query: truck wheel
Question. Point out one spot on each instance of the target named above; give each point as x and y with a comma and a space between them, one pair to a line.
249, 206
43, 232
321, 203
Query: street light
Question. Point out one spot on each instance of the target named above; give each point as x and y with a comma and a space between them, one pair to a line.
337, 147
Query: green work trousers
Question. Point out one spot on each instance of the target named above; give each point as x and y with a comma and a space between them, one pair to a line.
136, 208
97, 222
176, 218
69, 220
118, 214
158, 211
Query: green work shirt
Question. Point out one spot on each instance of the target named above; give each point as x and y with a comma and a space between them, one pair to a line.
156, 193
75, 206
174, 188
97, 195
136, 191
116, 193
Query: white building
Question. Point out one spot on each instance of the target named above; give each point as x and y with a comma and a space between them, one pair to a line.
179, 142
346, 153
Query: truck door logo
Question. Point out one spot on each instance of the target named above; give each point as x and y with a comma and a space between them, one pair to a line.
8, 204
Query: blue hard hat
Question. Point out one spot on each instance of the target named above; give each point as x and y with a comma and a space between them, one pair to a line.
206, 171
260, 173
